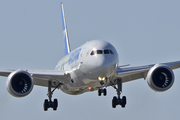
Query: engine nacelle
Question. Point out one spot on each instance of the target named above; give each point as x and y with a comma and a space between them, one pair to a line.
160, 77
19, 83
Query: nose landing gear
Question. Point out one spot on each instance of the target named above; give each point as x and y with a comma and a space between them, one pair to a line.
102, 90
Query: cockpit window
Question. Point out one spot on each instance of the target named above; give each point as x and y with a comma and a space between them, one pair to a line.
111, 52
99, 52
106, 51
93, 52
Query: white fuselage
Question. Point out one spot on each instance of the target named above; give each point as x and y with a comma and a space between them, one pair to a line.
86, 64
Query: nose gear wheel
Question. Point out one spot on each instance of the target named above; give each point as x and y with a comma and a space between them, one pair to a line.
102, 89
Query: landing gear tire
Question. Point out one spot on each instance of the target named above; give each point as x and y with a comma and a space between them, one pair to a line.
55, 104
50, 104
104, 91
46, 105
117, 101
99, 92
114, 102
123, 103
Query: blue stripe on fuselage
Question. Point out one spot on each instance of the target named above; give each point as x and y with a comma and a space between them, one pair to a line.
74, 56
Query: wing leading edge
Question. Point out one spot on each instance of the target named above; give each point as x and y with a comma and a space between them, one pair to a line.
41, 77
133, 73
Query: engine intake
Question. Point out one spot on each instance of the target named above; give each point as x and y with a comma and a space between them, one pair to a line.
160, 77
19, 83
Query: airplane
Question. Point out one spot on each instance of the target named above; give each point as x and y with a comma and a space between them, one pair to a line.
94, 66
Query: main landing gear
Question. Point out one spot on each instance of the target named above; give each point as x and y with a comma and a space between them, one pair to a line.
117, 100
50, 103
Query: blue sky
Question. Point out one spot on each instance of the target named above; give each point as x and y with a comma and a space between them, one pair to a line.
142, 31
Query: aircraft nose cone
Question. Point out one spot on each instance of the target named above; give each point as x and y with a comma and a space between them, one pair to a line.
103, 64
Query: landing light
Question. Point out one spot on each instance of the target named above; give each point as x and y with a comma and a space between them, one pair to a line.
66, 72
101, 78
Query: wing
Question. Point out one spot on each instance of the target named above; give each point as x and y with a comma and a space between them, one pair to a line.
133, 73
41, 77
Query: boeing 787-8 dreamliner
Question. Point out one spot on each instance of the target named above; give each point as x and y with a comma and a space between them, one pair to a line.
92, 66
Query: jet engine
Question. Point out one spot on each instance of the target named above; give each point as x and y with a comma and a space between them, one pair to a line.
160, 78
19, 83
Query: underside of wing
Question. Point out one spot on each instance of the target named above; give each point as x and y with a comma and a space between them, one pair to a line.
5, 72
134, 73
41, 77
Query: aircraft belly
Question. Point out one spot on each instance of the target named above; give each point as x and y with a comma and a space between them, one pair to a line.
79, 84
77, 89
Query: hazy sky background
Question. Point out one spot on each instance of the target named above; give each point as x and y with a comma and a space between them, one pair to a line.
142, 31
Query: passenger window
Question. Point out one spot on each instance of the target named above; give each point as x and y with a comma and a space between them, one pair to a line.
99, 52
111, 52
93, 52
106, 51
